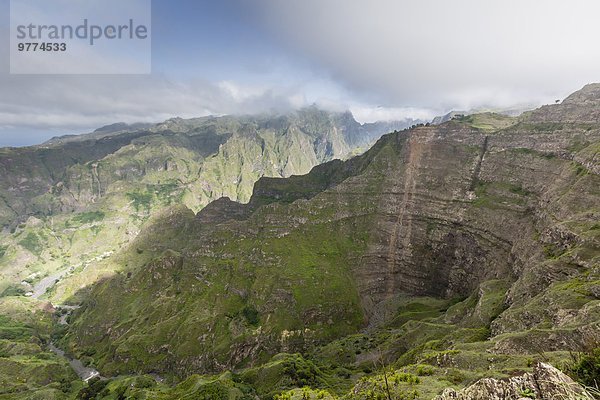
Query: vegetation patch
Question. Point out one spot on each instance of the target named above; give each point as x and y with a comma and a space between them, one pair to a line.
525, 150
579, 169
142, 201
251, 315
13, 290
88, 217
488, 121
585, 367
33, 243
499, 195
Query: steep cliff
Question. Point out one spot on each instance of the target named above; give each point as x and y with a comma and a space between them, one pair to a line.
75, 199
451, 246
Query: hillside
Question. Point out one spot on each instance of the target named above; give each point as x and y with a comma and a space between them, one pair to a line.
442, 255
77, 199
448, 252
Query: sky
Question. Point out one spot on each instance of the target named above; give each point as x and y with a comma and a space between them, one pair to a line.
381, 59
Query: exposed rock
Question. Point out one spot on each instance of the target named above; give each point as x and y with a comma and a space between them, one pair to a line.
544, 383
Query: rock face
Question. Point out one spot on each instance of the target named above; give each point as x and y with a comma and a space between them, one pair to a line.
544, 383
506, 219
73, 172
92, 193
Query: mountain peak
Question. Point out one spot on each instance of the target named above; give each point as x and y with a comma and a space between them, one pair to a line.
582, 107
589, 93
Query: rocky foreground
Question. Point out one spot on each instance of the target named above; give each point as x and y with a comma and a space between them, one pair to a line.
544, 383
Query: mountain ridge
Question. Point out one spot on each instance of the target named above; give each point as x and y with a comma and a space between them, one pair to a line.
491, 227
111, 181
442, 255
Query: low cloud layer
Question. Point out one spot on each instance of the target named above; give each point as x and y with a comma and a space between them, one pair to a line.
446, 54
76, 102
34, 108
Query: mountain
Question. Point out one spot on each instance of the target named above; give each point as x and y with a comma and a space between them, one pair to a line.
451, 252
72, 200
107, 130
445, 260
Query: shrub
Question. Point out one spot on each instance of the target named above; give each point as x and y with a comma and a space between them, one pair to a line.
585, 367
251, 315
32, 243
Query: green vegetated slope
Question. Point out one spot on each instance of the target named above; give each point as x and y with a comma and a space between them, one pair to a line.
27, 367
441, 255
76, 200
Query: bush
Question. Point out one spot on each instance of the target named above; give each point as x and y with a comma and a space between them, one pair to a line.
89, 217
585, 368
424, 370
95, 386
212, 391
251, 315
13, 290
32, 243
302, 372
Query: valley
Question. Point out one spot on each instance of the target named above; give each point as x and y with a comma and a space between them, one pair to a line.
441, 255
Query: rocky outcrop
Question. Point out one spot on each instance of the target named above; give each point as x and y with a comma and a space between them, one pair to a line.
544, 383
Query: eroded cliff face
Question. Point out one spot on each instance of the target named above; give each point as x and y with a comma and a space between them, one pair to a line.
458, 207
67, 202
503, 222
448, 246
206, 157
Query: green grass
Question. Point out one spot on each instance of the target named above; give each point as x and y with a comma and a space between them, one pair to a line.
500, 195
89, 217
26, 368
419, 308
488, 121
12, 330
33, 242
142, 201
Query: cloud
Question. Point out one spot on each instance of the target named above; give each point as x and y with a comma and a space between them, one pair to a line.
364, 113
78, 102
75, 104
58, 104
446, 54
382, 59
